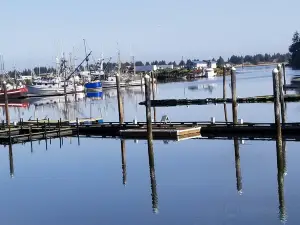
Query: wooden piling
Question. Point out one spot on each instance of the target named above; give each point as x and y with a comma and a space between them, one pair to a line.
148, 107
37, 122
153, 95
238, 172
233, 93
123, 155
150, 145
120, 105
284, 73
277, 108
6, 109
224, 82
281, 94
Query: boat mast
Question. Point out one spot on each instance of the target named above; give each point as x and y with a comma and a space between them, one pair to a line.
119, 63
86, 58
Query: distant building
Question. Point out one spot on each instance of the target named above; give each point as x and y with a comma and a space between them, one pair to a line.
163, 67
148, 68
26, 77
199, 64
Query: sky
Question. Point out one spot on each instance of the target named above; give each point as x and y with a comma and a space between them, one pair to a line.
34, 32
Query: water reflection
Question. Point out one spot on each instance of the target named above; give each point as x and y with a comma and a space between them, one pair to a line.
238, 172
123, 156
11, 161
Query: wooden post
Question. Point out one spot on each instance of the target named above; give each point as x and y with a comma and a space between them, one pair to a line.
123, 154
224, 82
37, 122
233, 93
281, 94
120, 103
11, 161
153, 95
6, 109
150, 145
148, 106
277, 110
284, 77
238, 172
58, 122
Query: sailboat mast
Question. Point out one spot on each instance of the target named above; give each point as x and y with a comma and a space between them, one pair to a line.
87, 60
119, 63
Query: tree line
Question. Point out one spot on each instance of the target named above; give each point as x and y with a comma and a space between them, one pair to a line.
294, 50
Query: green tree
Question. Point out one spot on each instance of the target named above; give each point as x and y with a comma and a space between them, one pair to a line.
295, 51
220, 62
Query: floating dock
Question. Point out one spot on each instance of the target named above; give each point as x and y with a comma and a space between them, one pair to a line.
31, 131
206, 101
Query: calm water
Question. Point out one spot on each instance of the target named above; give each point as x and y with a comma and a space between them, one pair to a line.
195, 180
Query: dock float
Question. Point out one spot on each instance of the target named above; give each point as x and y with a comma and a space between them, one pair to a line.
30, 131
206, 101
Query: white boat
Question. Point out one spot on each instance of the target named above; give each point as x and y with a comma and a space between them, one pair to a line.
110, 82
209, 72
53, 86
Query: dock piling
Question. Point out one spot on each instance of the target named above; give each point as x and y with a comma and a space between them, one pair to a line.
148, 106
276, 93
233, 93
6, 108
11, 161
281, 93
284, 77
120, 103
30, 136
224, 82
77, 128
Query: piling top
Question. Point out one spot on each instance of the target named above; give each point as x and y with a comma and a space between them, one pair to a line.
117, 74
147, 76
275, 71
279, 65
233, 68
4, 82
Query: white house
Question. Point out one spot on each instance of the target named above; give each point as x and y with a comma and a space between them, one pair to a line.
199, 64
26, 77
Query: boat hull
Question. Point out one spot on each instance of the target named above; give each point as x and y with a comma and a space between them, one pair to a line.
15, 93
42, 90
93, 85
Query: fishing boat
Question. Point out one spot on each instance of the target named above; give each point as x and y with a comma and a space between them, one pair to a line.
93, 85
14, 92
53, 86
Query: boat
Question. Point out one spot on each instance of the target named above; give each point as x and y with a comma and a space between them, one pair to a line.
14, 93
53, 86
93, 85
209, 72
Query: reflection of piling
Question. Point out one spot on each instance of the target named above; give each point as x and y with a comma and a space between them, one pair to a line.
224, 82
45, 135
280, 180
11, 161
123, 154
238, 172
120, 105
225, 112
233, 92
30, 137
77, 128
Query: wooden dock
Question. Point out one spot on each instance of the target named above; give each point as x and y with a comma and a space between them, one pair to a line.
30, 131
206, 101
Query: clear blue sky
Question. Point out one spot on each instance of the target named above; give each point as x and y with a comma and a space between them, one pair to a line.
34, 32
